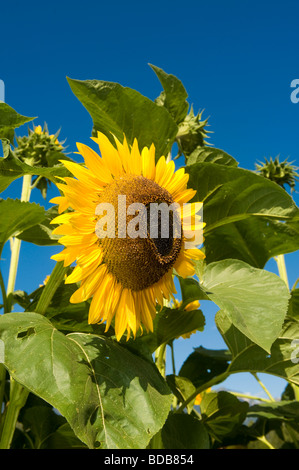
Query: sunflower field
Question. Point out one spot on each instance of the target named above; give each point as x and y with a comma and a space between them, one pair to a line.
83, 357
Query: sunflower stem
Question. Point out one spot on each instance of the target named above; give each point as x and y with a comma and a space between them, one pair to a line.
215, 380
250, 397
160, 358
18, 397
263, 386
280, 261
172, 357
3, 291
168, 159
50, 288
16, 245
36, 182
295, 284
265, 441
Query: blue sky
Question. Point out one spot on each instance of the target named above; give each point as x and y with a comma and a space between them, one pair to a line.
236, 60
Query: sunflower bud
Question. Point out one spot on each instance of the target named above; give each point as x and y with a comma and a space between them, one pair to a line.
41, 149
282, 173
192, 133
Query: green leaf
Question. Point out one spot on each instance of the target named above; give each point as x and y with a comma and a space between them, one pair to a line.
182, 388
110, 397
287, 411
41, 427
17, 216
41, 422
254, 240
174, 95
10, 120
248, 357
255, 300
211, 155
68, 317
41, 234
294, 304
171, 323
122, 111
205, 364
64, 316
191, 290
231, 194
182, 431
222, 413
12, 168
64, 438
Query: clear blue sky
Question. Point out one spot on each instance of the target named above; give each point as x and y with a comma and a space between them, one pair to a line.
235, 58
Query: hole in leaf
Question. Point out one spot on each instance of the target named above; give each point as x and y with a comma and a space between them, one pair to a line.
23, 334
93, 417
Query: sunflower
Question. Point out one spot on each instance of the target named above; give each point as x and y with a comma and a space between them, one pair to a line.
126, 277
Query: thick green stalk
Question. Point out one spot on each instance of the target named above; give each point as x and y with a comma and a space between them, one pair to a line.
17, 399
3, 291
282, 269
16, 245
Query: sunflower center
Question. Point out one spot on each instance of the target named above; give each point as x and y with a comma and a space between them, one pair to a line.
139, 259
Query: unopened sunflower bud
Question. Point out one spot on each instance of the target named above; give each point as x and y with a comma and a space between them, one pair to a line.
281, 173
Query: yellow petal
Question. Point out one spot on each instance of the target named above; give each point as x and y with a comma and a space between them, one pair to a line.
110, 156
82, 174
148, 162
124, 153
94, 162
64, 229
135, 160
